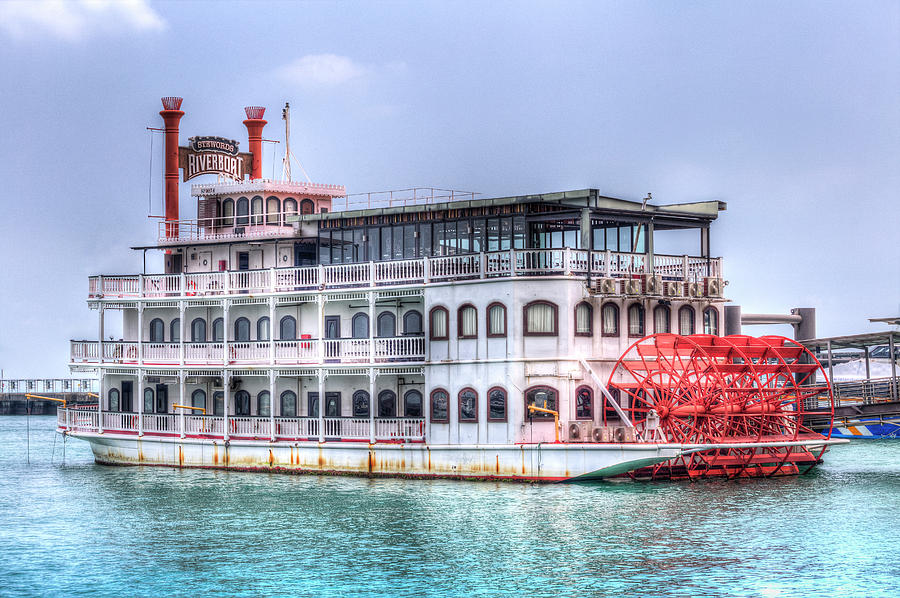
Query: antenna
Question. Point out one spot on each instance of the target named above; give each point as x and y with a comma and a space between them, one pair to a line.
288, 154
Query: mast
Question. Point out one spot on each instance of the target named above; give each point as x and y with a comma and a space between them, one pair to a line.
286, 168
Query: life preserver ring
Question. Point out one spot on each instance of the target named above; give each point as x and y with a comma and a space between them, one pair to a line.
232, 353
191, 288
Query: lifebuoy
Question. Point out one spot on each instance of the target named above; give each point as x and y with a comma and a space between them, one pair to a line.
232, 352
191, 288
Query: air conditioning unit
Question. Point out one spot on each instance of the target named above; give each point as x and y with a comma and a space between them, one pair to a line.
606, 286
579, 431
633, 286
714, 287
653, 285
218, 384
675, 289
600, 434
695, 289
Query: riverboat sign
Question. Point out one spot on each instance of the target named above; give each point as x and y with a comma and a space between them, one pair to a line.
213, 155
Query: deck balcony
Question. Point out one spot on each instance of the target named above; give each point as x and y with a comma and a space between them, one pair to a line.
183, 425
281, 352
423, 271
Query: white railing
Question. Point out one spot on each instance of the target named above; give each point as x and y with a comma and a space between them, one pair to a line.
161, 352
203, 353
300, 428
297, 351
514, 262
403, 347
256, 351
49, 385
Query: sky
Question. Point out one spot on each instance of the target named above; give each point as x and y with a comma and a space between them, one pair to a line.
788, 112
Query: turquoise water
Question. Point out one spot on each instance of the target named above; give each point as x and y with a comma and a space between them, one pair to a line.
82, 529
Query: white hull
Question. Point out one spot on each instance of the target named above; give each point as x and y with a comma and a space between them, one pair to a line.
526, 462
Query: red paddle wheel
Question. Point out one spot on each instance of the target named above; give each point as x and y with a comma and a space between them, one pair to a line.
733, 390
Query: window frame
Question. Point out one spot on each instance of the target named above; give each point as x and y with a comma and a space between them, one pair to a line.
195, 337
529, 416
643, 315
444, 420
707, 329
383, 392
491, 306
505, 404
591, 397
238, 321
459, 402
218, 322
158, 322
459, 321
385, 314
409, 314
668, 312
303, 204
259, 397
431, 312
421, 402
268, 323
359, 316
281, 322
534, 303
359, 394
198, 392
590, 308
690, 309
109, 399
175, 331
615, 308
284, 394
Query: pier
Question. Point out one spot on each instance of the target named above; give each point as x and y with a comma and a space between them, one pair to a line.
22, 396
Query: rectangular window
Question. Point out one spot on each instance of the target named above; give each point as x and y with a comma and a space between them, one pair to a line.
540, 319
625, 239
425, 239
409, 241
397, 234
519, 230
493, 234
386, 243
372, 244
450, 238
505, 233
478, 235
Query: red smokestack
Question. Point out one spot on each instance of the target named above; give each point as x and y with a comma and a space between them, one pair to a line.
255, 124
171, 114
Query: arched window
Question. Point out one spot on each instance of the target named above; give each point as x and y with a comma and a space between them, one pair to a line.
467, 321
662, 316
242, 211
242, 330
438, 329
361, 404
332, 404
584, 319
175, 331
540, 396
218, 330
148, 400
412, 323
273, 207
711, 321
228, 212
256, 210
468, 405
497, 404
242, 403
198, 399
198, 330
262, 329
686, 320
288, 404
496, 320
387, 404
307, 206
287, 331
113, 399
609, 319
412, 404
290, 210
387, 324
584, 403
218, 403
440, 406
635, 319
157, 331
540, 319
360, 325
263, 404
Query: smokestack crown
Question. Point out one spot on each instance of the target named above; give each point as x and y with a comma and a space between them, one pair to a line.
171, 103
254, 112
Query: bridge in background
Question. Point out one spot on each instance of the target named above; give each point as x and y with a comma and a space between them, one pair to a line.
75, 391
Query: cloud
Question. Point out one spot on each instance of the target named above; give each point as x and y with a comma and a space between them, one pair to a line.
322, 71
74, 20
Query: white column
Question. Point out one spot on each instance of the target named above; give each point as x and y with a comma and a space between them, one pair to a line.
371, 326
320, 304
181, 400
272, 374
100, 400
140, 396
226, 381
140, 335
181, 316
272, 332
371, 405
321, 405
102, 376
225, 329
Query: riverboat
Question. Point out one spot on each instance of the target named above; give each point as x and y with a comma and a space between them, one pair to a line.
431, 333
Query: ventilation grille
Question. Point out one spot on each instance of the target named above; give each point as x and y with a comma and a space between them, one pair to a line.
171, 103
254, 112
